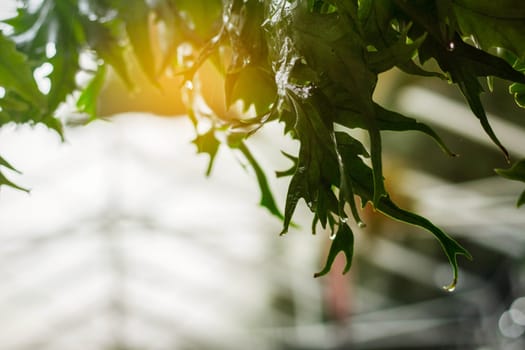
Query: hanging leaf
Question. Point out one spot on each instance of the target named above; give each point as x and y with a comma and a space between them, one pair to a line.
267, 200
515, 172
362, 175
313, 65
207, 143
342, 242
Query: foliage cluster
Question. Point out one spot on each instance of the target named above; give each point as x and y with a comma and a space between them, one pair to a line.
310, 64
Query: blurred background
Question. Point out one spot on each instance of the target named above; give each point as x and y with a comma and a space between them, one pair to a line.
124, 243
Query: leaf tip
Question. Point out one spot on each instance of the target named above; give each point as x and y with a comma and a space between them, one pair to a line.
452, 286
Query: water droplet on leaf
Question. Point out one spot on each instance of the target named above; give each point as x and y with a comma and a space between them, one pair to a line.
451, 287
451, 46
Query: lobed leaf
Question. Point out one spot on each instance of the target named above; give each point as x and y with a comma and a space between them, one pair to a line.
342, 242
362, 177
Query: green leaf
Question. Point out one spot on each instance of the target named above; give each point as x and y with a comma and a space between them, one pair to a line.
342, 242
6, 182
515, 172
136, 18
87, 101
103, 40
331, 44
252, 86
16, 75
317, 156
290, 171
54, 124
410, 67
267, 200
492, 23
451, 248
389, 121
518, 91
201, 17
245, 19
465, 64
52, 33
362, 179
208, 143
521, 200
399, 53
4, 163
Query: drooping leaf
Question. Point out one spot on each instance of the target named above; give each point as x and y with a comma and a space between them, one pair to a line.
465, 64
267, 200
362, 178
4, 181
389, 121
316, 162
515, 172
342, 242
207, 143
451, 248
319, 58
330, 43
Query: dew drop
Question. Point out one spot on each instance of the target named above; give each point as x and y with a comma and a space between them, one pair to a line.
451, 287
333, 234
343, 219
451, 46
361, 224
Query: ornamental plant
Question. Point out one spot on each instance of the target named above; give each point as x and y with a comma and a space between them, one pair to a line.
312, 65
